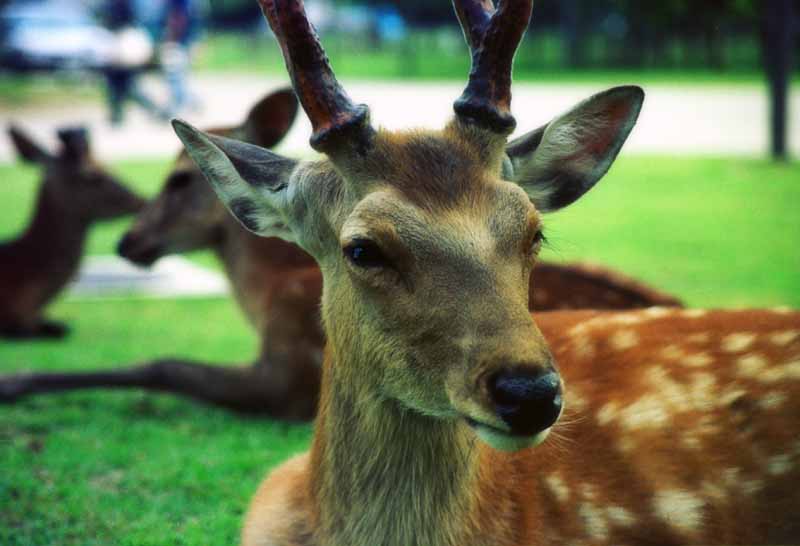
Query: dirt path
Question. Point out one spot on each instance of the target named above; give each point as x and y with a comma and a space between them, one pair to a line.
692, 120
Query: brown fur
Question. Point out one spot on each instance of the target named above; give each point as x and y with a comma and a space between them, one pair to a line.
596, 481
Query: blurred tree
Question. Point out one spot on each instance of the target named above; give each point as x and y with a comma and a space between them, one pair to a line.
779, 27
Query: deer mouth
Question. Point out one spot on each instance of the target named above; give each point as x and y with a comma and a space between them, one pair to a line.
144, 256
503, 440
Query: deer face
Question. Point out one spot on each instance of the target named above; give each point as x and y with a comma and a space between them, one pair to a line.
186, 215
82, 187
426, 242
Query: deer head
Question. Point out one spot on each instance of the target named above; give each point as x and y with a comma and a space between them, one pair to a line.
426, 239
186, 215
73, 180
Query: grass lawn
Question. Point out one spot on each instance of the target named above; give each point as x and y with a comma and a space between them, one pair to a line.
129, 468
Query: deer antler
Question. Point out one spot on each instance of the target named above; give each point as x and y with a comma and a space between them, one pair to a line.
493, 36
334, 117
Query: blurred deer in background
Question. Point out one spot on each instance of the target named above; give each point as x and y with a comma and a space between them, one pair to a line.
278, 286
75, 193
436, 377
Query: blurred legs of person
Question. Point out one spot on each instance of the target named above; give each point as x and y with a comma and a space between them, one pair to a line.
175, 63
122, 86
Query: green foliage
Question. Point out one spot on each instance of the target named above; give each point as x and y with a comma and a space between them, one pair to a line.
128, 468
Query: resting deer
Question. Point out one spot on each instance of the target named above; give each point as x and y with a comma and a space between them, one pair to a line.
436, 378
75, 193
278, 286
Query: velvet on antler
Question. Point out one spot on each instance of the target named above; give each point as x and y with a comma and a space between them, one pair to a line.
337, 122
493, 36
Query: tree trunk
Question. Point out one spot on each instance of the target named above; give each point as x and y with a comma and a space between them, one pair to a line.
778, 43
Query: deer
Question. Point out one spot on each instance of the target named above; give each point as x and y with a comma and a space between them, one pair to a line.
278, 287
75, 193
441, 394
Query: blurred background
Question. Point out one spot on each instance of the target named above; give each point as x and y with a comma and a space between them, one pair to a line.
702, 203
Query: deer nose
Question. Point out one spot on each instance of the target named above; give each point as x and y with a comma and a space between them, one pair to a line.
124, 245
528, 402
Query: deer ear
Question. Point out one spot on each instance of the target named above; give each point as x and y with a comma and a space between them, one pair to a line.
27, 148
271, 118
558, 163
251, 182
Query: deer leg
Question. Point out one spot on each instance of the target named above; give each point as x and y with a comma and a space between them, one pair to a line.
51, 329
43, 329
235, 388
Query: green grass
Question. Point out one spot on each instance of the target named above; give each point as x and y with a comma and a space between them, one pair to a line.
135, 469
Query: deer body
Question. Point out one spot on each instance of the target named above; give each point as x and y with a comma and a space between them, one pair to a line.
75, 193
682, 428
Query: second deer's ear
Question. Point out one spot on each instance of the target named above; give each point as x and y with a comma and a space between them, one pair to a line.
27, 148
252, 182
271, 118
558, 163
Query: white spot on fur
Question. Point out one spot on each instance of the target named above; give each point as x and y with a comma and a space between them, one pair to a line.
624, 339
607, 413
701, 390
619, 516
714, 491
771, 375
578, 330
751, 365
594, 521
730, 396
626, 318
772, 400
697, 360
558, 487
649, 411
672, 352
584, 346
694, 313
680, 509
792, 370
658, 312
735, 343
702, 337
782, 310
784, 338
779, 465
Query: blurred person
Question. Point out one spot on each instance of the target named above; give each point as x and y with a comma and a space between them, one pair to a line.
180, 29
133, 52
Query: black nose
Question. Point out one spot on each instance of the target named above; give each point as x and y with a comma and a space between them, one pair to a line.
527, 402
124, 245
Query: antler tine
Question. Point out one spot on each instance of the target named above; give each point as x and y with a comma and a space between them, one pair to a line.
474, 16
336, 120
493, 37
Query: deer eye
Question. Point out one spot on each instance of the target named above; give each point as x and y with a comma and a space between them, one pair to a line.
364, 253
179, 180
537, 241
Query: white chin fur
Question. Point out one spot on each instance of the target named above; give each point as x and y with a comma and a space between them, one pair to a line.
505, 442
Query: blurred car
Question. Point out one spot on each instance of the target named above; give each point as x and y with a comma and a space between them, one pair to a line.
52, 35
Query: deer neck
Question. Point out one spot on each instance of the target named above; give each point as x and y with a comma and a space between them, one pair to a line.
54, 236
253, 264
383, 474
